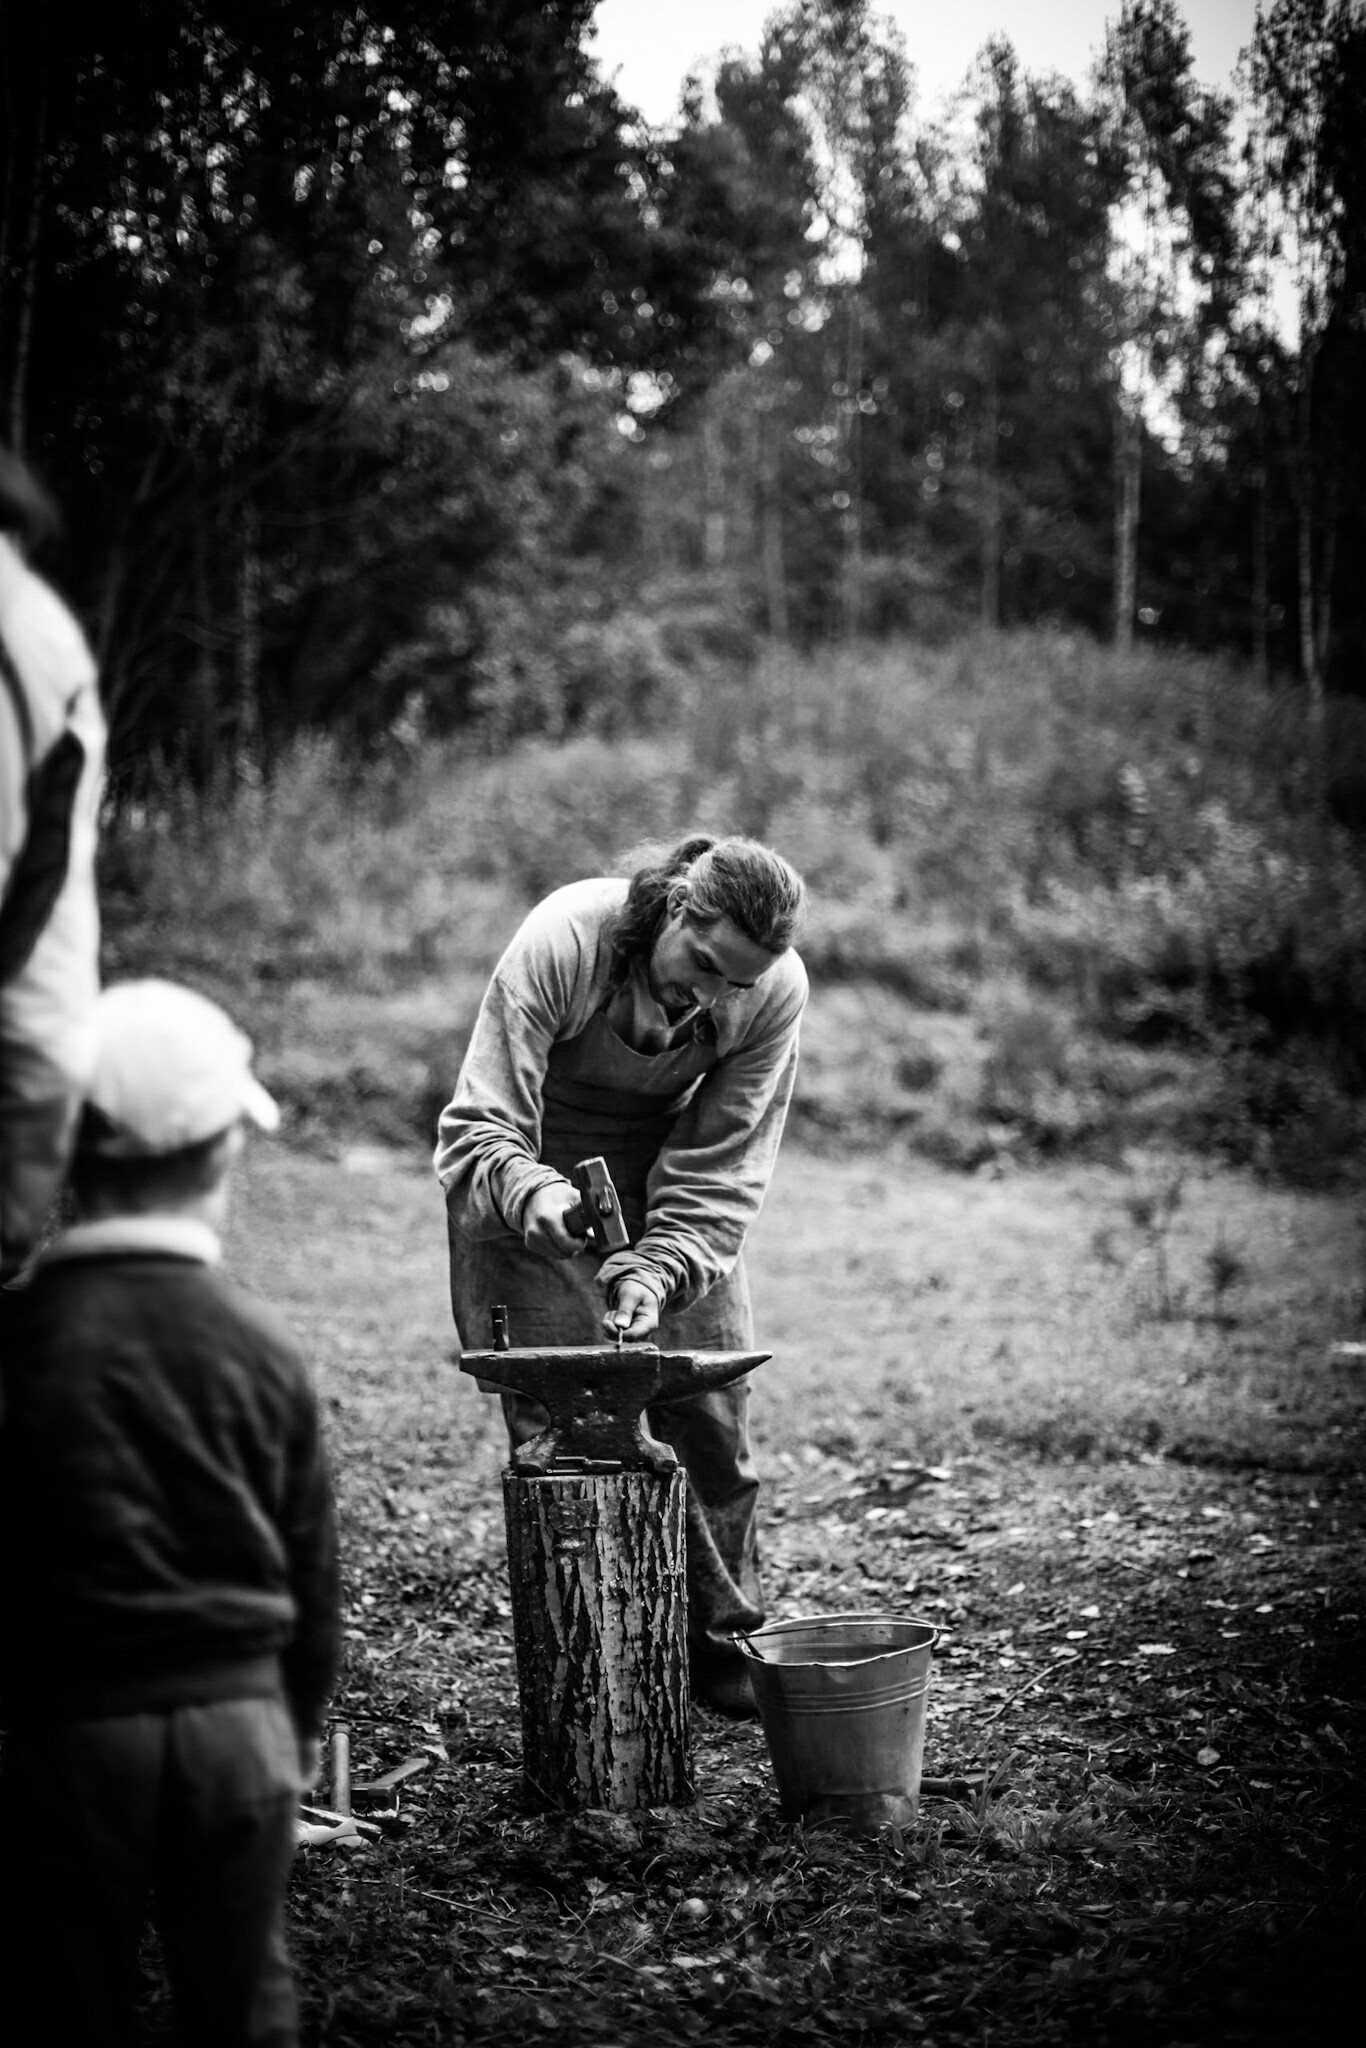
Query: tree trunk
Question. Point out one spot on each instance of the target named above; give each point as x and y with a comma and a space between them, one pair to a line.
772, 555
851, 515
202, 720
1304, 513
1128, 482
714, 529
1327, 565
1261, 540
10, 127
28, 287
249, 633
990, 595
596, 1563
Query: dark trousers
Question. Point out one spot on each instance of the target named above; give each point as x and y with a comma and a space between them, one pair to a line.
196, 1805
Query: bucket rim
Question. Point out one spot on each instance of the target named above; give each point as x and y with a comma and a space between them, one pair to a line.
745, 1641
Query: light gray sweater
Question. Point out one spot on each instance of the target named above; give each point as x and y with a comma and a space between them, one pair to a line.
708, 1183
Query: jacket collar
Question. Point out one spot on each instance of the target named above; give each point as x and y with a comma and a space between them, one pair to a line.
183, 1237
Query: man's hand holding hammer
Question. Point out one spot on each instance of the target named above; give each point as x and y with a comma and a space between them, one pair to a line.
544, 1226
567, 1217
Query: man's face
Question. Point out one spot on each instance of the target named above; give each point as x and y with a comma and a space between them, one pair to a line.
697, 965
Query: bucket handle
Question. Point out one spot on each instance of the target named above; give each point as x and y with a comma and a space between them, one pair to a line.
742, 1642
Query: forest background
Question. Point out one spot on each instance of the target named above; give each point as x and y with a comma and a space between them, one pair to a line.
462, 481
462, 478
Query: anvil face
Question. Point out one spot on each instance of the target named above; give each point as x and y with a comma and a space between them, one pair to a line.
596, 1395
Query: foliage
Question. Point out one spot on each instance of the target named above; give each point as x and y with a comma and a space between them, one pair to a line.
382, 362
1061, 901
282, 344
1304, 157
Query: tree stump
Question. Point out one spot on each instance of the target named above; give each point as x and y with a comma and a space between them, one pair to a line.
596, 1562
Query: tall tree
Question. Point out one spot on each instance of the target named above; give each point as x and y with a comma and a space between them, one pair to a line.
1308, 163
803, 167
856, 95
216, 325
1171, 242
744, 197
1022, 343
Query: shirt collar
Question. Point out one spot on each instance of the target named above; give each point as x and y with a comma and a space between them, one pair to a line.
183, 1237
638, 1017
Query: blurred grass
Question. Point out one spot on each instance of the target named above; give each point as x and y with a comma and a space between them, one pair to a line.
1149, 1662
928, 1314
1061, 901
910, 1313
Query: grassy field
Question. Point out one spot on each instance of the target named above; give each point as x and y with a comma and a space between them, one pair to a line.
1064, 1277
1120, 1468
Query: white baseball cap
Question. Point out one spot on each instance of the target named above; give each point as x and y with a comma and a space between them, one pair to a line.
171, 1069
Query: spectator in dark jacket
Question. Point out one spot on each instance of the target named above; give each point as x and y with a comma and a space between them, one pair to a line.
168, 1595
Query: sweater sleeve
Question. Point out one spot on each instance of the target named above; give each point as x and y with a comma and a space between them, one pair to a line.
309, 1530
708, 1184
489, 1136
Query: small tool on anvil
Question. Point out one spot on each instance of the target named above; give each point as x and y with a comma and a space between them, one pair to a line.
598, 1213
596, 1396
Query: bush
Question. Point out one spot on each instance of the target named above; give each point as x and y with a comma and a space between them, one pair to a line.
542, 815
1250, 932
1288, 1117
1099, 872
547, 669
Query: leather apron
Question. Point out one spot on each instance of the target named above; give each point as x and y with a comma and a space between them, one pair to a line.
600, 1097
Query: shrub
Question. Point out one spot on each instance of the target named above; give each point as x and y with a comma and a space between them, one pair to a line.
1249, 930
1098, 870
1289, 1117
542, 815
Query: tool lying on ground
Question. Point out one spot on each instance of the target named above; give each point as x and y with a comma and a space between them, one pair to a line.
598, 1214
317, 1825
596, 1395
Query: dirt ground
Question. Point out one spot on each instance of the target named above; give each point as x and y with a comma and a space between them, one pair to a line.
1102, 1427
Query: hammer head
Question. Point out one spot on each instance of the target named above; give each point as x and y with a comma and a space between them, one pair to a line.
595, 1397
598, 1214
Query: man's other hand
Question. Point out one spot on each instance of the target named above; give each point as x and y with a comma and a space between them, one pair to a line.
634, 1312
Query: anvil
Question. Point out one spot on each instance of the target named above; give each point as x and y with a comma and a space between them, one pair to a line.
596, 1395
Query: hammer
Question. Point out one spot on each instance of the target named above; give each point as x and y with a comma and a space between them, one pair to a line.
598, 1213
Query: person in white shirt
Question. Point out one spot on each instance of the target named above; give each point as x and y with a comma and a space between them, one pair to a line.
52, 738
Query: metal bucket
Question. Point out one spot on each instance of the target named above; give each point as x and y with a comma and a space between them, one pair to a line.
842, 1701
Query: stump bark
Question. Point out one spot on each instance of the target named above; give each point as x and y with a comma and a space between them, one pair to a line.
596, 1563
